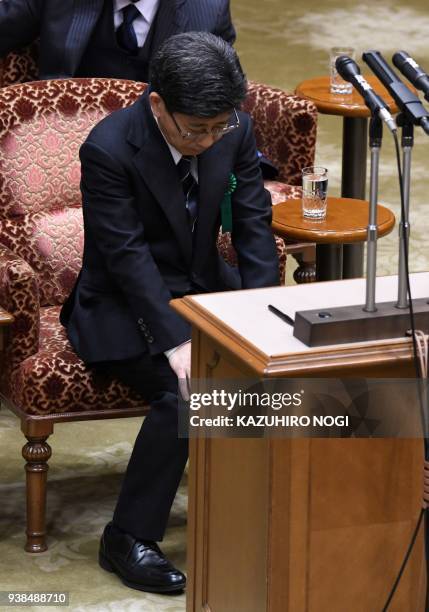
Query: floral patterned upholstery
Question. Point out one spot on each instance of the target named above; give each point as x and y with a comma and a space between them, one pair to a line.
19, 294
42, 125
285, 129
285, 125
281, 191
55, 381
19, 67
52, 243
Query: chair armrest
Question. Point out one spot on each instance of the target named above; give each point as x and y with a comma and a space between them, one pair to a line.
228, 253
285, 129
280, 191
19, 295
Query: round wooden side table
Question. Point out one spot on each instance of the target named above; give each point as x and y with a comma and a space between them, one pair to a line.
346, 223
355, 115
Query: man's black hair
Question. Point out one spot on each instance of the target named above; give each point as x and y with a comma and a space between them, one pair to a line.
198, 74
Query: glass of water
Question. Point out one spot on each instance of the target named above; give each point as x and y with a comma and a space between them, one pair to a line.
314, 192
338, 84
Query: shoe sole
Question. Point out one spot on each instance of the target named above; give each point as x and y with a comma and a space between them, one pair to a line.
108, 567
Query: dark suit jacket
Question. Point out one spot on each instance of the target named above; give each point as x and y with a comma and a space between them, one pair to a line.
64, 27
139, 249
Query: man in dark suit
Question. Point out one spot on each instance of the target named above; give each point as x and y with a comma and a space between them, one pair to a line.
153, 179
105, 38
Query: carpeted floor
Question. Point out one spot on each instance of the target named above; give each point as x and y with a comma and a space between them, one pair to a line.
87, 462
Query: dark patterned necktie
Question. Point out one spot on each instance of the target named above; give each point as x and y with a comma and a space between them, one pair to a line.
125, 34
190, 189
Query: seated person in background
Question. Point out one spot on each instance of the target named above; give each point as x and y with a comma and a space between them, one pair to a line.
105, 38
153, 179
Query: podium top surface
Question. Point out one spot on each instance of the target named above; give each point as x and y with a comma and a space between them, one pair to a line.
243, 318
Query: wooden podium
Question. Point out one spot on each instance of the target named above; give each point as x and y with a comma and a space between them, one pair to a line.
299, 525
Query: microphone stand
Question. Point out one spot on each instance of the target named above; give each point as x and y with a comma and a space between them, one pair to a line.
375, 137
358, 322
407, 142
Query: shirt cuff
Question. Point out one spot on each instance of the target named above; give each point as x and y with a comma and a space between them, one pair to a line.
171, 351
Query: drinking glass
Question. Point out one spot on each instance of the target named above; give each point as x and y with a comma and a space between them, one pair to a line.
314, 192
338, 84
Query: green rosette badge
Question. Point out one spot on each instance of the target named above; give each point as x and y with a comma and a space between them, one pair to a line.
226, 206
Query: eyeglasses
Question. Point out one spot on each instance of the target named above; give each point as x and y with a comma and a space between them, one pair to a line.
216, 133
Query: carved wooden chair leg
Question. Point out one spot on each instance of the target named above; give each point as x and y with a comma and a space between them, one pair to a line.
36, 452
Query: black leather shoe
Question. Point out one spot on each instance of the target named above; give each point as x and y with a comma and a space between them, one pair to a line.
139, 564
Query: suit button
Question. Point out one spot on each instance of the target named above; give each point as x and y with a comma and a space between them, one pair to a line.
150, 339
140, 321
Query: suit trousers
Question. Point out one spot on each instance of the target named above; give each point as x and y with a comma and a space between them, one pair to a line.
159, 456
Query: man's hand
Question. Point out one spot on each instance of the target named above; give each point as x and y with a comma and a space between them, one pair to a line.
180, 363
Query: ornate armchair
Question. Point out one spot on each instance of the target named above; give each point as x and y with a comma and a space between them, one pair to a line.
42, 125
285, 128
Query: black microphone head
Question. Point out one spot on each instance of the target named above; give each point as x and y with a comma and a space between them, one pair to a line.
399, 58
380, 67
346, 67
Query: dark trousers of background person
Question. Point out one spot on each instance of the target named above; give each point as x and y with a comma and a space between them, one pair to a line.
159, 456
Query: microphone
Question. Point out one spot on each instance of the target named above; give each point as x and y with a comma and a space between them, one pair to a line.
350, 71
412, 71
407, 101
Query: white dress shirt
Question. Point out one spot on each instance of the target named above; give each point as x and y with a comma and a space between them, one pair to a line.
142, 23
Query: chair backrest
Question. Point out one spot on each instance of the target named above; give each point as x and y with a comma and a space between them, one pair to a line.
285, 125
42, 125
19, 66
285, 129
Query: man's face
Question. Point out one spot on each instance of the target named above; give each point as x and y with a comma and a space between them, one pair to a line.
188, 134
